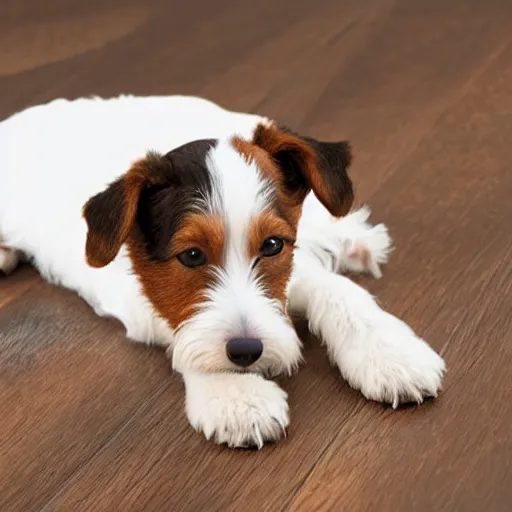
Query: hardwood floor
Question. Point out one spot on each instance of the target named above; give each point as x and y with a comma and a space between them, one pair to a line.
424, 91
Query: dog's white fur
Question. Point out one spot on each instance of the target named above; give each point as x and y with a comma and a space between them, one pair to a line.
237, 303
54, 157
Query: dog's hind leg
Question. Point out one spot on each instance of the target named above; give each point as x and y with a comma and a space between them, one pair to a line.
9, 259
363, 247
349, 244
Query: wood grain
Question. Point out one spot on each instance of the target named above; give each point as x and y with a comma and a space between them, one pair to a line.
424, 91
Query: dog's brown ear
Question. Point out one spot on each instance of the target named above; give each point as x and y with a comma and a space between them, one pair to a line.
308, 164
110, 215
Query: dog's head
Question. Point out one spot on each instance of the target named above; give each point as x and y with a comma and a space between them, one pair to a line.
210, 228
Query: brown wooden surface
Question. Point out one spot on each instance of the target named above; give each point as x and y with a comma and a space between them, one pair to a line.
424, 91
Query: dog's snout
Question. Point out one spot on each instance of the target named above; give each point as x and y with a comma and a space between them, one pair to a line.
244, 351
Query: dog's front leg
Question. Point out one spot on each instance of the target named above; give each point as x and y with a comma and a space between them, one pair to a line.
238, 409
376, 352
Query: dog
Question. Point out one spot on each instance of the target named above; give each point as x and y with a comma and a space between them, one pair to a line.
205, 231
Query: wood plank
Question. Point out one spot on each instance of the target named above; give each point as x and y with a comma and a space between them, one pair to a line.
68, 383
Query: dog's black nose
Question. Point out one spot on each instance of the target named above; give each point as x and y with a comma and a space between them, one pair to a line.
244, 351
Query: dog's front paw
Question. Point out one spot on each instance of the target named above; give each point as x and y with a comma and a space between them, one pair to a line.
240, 410
365, 247
393, 365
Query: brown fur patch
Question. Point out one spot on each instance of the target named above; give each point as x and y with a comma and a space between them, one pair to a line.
110, 214
275, 271
289, 206
308, 164
174, 289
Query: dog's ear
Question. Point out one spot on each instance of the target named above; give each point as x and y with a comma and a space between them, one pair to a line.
110, 215
308, 164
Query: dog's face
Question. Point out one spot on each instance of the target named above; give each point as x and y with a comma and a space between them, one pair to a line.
210, 229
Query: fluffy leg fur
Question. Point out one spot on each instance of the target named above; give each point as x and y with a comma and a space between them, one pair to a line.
238, 409
376, 352
9, 259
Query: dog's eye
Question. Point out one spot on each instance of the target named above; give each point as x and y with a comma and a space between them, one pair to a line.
192, 258
271, 246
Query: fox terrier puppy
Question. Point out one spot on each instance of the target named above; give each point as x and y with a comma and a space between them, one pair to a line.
203, 230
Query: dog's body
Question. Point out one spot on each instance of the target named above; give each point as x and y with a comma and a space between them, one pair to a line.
236, 194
